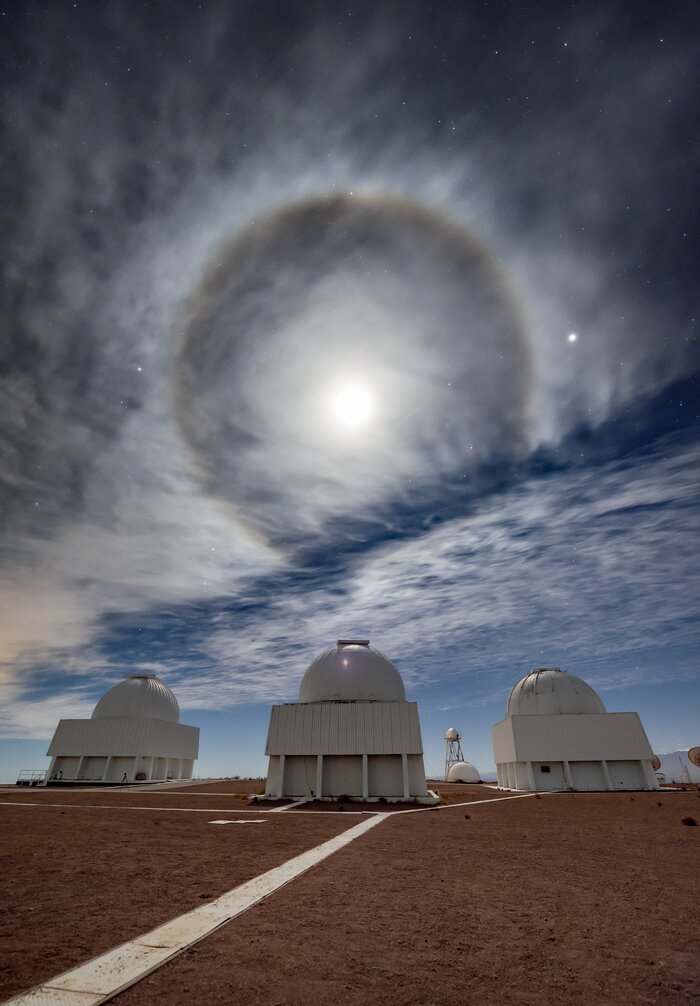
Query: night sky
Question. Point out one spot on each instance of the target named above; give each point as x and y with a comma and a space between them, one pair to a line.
325, 319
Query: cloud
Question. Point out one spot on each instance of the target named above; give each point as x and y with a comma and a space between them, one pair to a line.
556, 573
131, 177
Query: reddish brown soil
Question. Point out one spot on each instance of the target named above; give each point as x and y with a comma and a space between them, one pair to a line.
76, 882
577, 899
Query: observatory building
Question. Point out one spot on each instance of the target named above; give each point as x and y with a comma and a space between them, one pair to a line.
351, 735
463, 771
557, 735
134, 735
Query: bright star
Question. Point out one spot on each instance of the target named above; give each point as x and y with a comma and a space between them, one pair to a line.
572, 337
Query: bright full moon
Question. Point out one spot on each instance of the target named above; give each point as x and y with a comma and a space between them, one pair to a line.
351, 405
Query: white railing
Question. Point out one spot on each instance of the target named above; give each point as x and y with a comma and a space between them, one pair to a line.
31, 777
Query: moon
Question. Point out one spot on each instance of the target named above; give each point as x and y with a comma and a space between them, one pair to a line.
352, 406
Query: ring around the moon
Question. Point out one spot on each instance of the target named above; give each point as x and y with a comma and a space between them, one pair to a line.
382, 292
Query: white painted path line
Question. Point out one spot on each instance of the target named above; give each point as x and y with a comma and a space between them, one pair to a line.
247, 820
467, 803
100, 979
291, 806
177, 810
260, 810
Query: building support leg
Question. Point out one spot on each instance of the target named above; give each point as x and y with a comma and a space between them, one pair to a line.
567, 775
531, 775
404, 767
606, 773
108, 763
649, 776
280, 783
319, 776
365, 777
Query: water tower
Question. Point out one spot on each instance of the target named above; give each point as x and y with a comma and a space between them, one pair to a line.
453, 750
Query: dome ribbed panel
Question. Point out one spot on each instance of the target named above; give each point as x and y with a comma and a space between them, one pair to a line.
352, 674
551, 692
138, 698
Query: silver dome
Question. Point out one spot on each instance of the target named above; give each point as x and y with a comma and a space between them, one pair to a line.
349, 672
551, 691
140, 697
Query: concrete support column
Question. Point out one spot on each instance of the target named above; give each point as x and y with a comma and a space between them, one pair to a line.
404, 767
606, 773
105, 774
280, 784
150, 768
80, 765
319, 776
567, 775
531, 775
365, 776
649, 775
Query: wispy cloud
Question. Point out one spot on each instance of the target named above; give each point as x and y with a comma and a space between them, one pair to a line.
130, 490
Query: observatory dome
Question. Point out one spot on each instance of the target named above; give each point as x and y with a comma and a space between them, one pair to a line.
140, 697
463, 771
551, 691
352, 672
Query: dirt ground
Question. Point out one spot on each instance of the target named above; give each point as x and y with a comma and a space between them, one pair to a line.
76, 881
571, 898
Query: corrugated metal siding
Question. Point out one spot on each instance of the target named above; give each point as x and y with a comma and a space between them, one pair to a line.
125, 738
342, 728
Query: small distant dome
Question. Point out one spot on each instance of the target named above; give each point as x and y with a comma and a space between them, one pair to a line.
463, 771
352, 672
451, 734
551, 691
140, 697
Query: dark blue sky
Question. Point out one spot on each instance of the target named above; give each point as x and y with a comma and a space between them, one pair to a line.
479, 221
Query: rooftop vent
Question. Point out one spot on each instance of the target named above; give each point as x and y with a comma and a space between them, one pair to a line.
353, 642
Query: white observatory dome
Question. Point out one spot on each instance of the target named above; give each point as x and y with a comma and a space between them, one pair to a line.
140, 697
551, 691
463, 771
350, 672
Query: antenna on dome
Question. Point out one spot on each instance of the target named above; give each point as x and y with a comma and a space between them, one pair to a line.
453, 749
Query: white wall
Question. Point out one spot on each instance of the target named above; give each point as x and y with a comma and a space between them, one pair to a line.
344, 728
593, 737
299, 775
547, 781
342, 775
385, 776
588, 775
125, 738
626, 775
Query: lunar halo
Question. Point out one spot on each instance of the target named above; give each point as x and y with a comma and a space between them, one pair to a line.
339, 351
